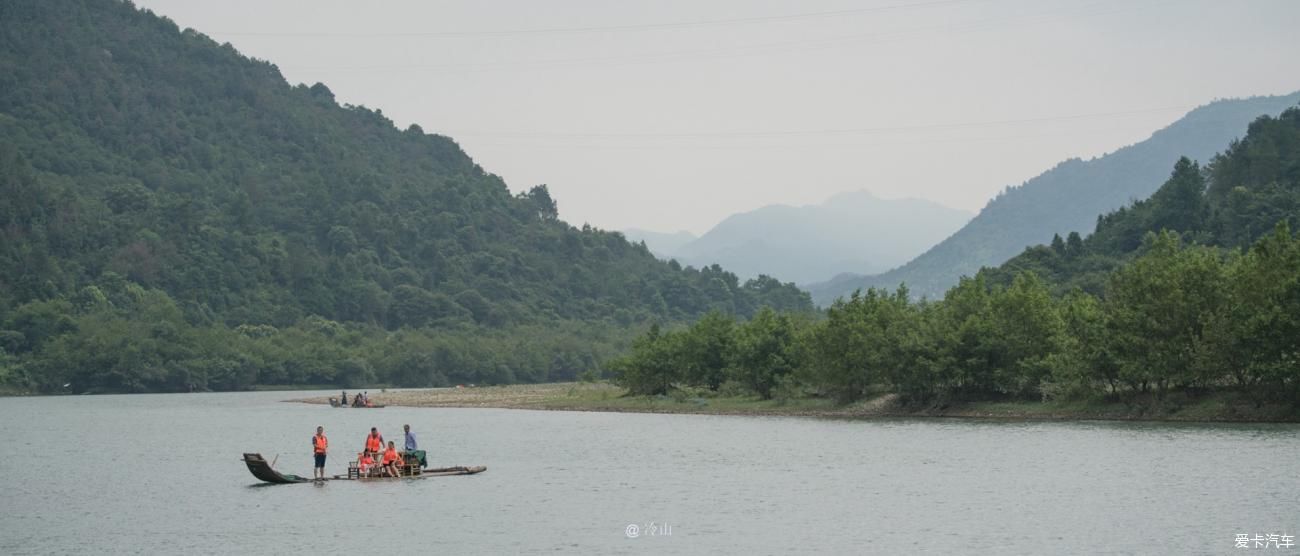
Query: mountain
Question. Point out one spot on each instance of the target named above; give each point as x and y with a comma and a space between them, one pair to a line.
853, 230
1238, 197
1067, 198
661, 244
1198, 309
169, 207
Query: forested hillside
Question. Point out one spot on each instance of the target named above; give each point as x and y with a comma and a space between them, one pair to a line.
1065, 199
1190, 294
169, 205
1230, 202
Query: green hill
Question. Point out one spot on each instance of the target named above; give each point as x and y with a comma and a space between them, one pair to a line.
1067, 198
1185, 305
159, 183
1235, 199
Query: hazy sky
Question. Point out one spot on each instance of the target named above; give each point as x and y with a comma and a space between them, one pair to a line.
673, 114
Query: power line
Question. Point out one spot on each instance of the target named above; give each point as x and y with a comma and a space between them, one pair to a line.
732, 51
597, 29
785, 147
812, 132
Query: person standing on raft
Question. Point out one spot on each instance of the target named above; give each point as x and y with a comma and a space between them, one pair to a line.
319, 447
412, 448
374, 442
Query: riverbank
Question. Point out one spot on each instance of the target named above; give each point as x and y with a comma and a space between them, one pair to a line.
11, 392
575, 396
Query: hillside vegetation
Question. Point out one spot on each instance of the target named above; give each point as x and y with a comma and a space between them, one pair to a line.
1065, 199
1189, 296
1235, 199
175, 215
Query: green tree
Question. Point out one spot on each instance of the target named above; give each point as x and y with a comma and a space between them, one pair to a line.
706, 347
1255, 336
869, 339
1179, 204
354, 372
1024, 335
764, 351
963, 324
652, 367
1084, 364
1156, 312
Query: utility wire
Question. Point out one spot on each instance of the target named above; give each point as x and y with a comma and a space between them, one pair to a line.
814, 132
596, 29
733, 51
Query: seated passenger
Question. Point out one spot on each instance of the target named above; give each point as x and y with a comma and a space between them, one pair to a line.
392, 461
364, 463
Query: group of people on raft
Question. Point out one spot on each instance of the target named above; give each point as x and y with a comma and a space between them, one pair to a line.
377, 459
359, 400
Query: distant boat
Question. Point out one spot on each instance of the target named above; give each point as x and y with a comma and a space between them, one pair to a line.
334, 402
260, 468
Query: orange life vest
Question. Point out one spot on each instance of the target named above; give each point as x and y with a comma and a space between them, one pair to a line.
390, 455
365, 462
374, 443
320, 443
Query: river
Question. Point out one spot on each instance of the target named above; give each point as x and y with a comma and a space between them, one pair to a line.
162, 474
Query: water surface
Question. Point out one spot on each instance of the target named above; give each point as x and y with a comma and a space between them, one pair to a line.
161, 474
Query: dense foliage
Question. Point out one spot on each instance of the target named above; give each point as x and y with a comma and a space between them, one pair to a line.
1067, 199
1179, 318
204, 197
1235, 199
1161, 299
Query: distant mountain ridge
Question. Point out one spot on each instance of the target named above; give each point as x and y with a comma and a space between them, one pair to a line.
662, 244
803, 244
1069, 197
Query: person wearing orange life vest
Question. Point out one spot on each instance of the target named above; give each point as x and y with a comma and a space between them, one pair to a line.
319, 447
364, 463
374, 442
392, 461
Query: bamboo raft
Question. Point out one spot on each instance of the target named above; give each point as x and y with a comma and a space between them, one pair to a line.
334, 402
260, 468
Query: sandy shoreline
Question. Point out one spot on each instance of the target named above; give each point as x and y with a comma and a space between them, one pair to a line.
574, 396
578, 396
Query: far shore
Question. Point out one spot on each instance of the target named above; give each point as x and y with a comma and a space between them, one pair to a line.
578, 396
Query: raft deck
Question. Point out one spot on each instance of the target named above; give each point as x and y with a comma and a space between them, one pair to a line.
260, 468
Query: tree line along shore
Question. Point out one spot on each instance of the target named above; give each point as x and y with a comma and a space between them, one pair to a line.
1188, 296
1180, 326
